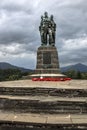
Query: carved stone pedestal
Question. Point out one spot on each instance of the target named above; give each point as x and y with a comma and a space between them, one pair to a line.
47, 60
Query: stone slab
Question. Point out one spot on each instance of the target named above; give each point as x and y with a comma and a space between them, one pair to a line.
72, 84
43, 118
44, 98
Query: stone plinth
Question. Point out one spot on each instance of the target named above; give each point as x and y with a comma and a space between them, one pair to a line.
47, 60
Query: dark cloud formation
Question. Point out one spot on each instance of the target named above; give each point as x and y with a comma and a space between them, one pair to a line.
19, 33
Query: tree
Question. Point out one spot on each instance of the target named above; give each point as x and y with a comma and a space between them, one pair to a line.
79, 76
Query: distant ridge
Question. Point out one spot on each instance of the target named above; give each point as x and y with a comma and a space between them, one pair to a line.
5, 65
77, 67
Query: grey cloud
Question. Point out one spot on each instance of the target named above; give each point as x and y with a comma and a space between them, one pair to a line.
17, 29
71, 19
19, 22
73, 56
16, 6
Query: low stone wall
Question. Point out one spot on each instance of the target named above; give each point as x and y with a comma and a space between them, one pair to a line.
18, 91
27, 105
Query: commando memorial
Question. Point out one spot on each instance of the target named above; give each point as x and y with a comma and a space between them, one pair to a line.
47, 66
47, 56
27, 104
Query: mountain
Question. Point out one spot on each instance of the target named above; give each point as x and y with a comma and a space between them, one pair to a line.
77, 67
4, 65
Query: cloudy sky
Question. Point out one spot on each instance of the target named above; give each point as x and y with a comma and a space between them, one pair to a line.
19, 33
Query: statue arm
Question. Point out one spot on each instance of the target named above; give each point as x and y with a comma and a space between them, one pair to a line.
39, 28
54, 27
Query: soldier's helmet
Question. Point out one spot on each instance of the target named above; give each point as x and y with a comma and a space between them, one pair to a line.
46, 14
51, 17
42, 17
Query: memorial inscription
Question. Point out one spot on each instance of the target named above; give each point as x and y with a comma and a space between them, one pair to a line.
47, 58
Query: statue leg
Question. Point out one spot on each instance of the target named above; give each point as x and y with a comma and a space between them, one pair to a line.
42, 39
50, 38
53, 35
45, 38
53, 39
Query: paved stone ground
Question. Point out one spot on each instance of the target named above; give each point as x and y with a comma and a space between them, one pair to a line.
43, 118
79, 84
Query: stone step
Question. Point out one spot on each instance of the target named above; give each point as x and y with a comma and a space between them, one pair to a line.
45, 98
28, 121
37, 91
43, 118
43, 104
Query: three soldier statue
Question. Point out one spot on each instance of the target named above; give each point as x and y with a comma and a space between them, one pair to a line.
47, 30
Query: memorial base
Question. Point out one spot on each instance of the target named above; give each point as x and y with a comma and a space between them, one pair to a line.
47, 60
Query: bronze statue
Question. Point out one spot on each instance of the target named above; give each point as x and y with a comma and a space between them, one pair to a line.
47, 30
